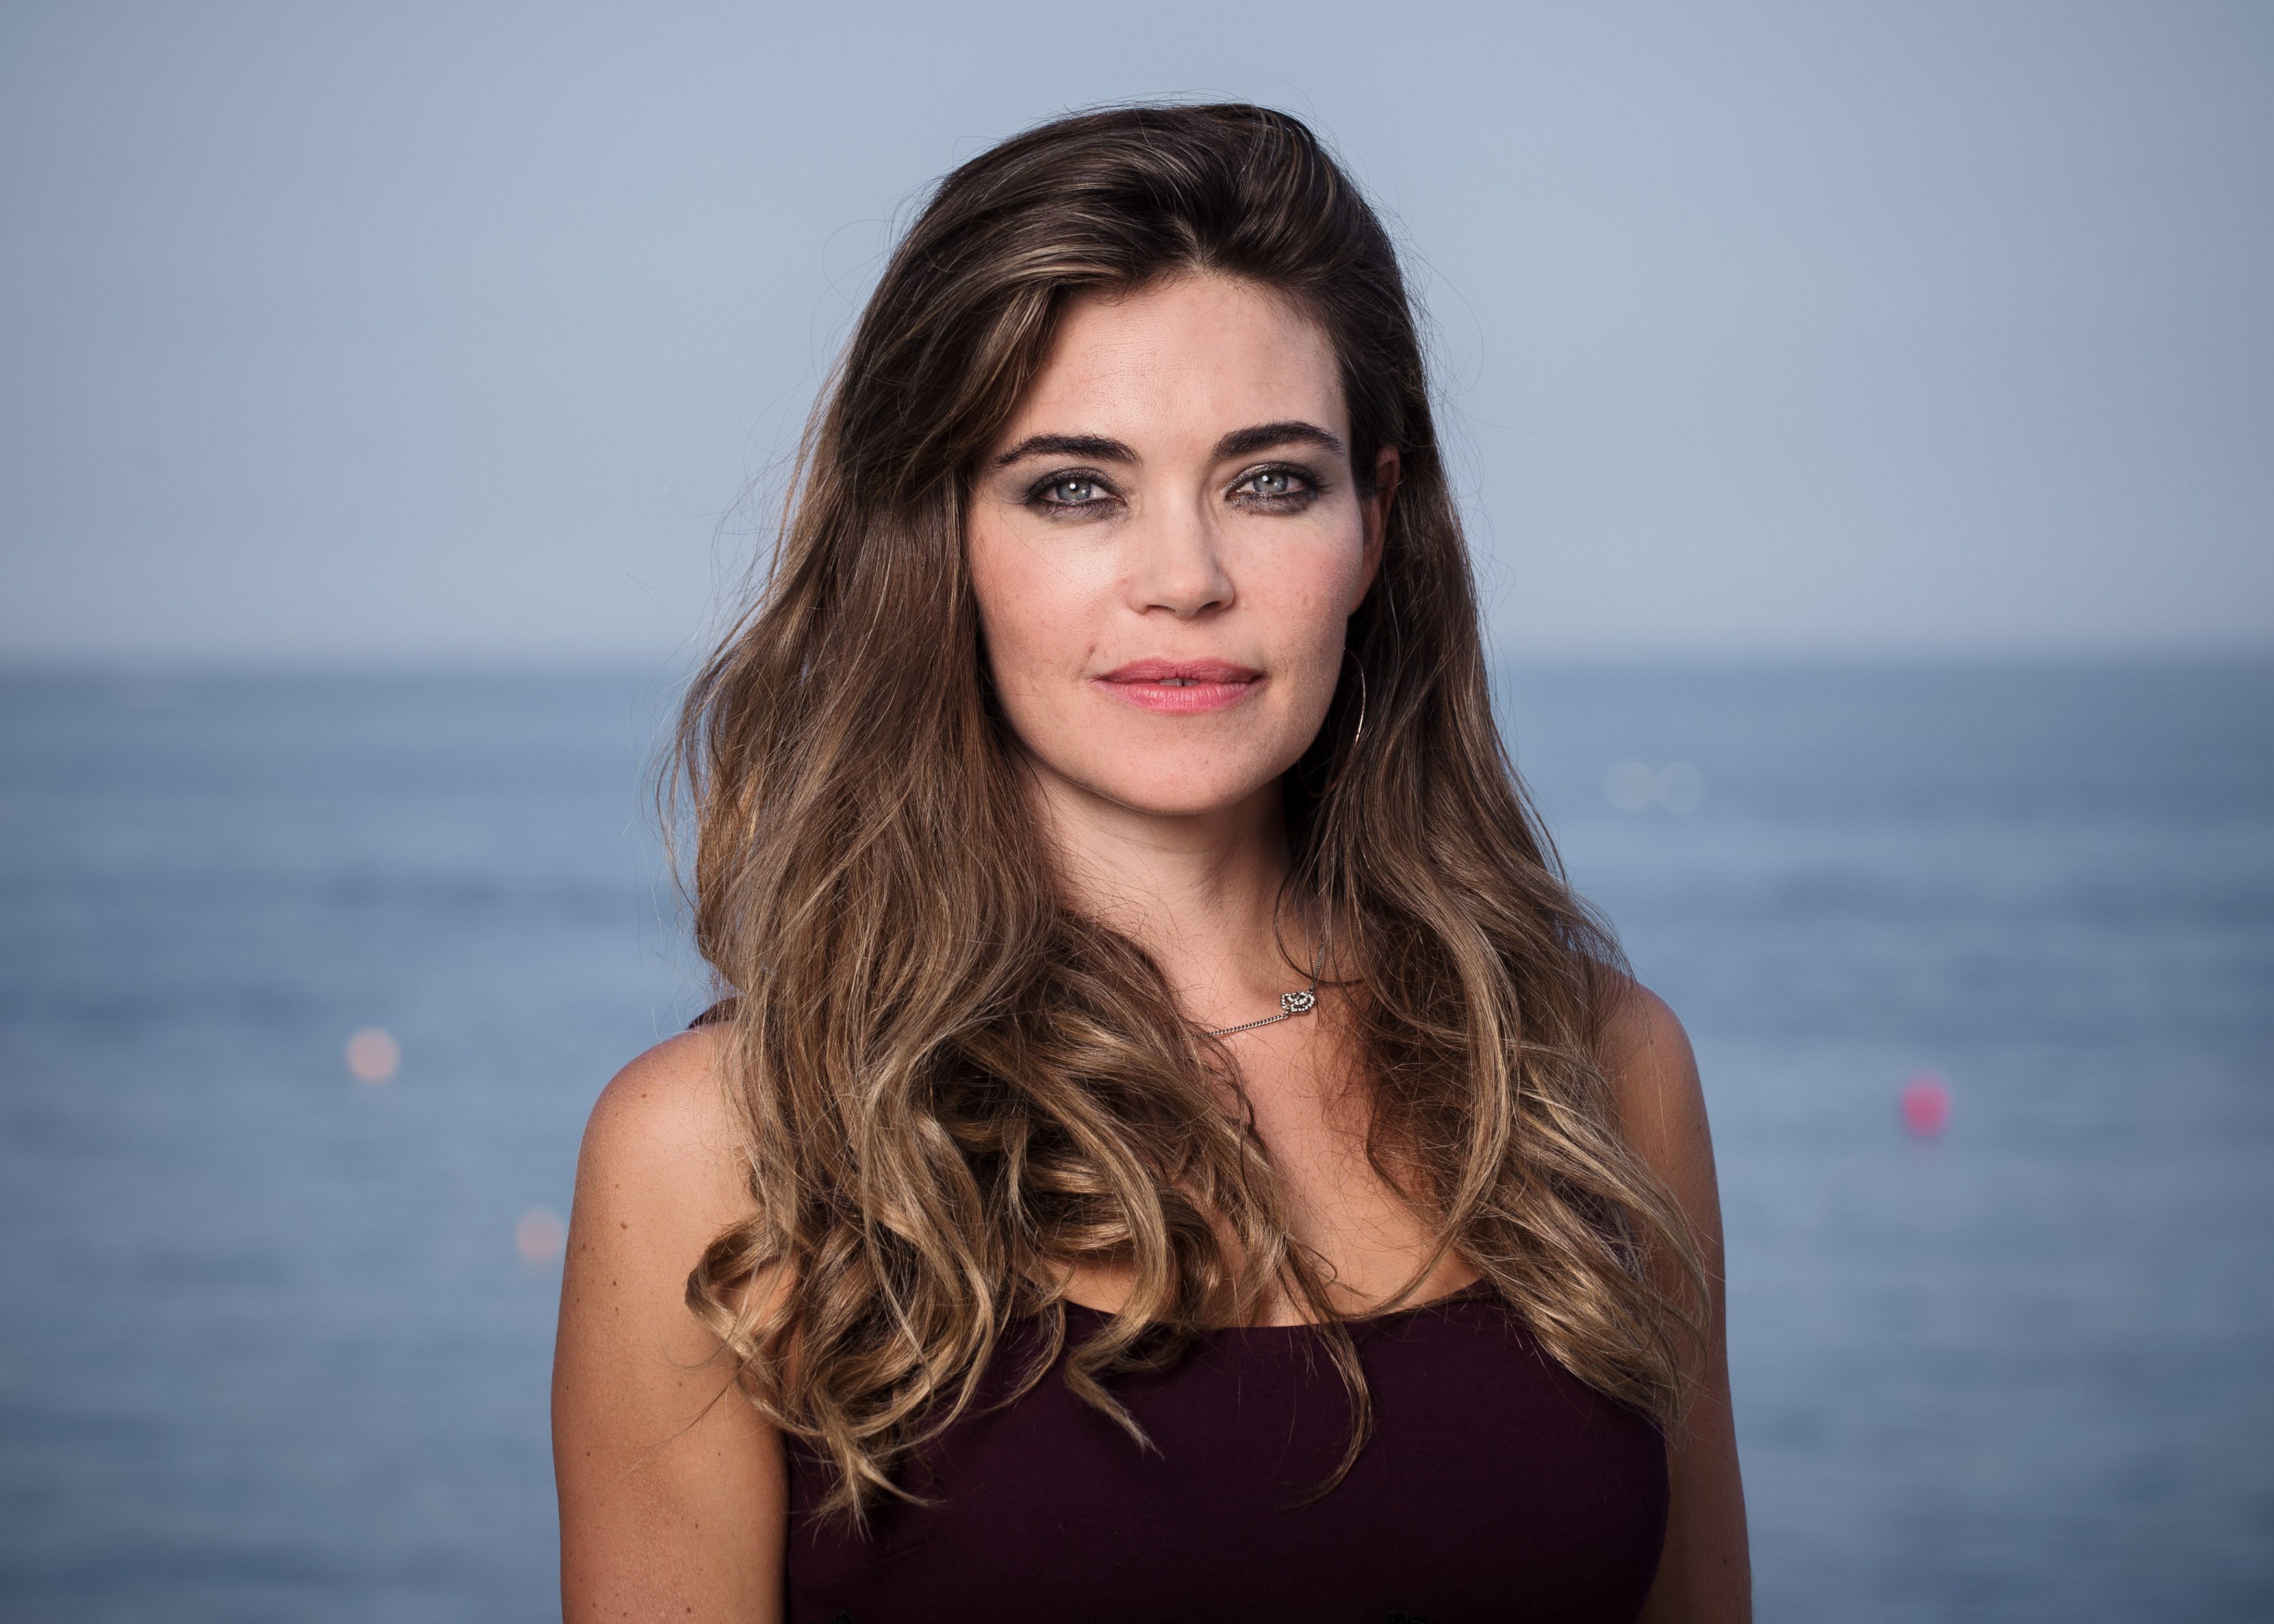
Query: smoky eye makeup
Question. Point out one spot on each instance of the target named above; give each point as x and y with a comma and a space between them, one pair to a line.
1067, 491
1277, 487
1087, 492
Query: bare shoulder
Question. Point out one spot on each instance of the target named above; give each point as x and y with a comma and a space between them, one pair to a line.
1661, 1105
669, 1102
1703, 1573
662, 1173
659, 1177
672, 1489
1645, 1051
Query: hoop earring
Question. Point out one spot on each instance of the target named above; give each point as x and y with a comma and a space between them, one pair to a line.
1359, 732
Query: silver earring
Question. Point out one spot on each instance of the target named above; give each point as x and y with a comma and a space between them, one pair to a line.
1361, 731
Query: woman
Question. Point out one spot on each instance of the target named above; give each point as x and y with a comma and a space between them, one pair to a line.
1175, 1147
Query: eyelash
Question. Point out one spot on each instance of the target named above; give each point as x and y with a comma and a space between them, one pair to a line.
1038, 493
1307, 486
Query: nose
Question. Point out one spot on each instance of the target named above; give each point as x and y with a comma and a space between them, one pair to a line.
1179, 565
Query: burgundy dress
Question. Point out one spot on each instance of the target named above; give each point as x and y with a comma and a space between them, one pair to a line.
1496, 1486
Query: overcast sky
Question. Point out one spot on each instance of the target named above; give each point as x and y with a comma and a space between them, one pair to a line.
448, 334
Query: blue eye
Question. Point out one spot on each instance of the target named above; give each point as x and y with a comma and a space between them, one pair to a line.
1274, 488
1074, 496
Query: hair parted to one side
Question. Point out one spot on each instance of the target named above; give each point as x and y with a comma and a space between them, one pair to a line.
951, 1082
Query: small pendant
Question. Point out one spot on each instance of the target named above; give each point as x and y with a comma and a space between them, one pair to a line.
1297, 1003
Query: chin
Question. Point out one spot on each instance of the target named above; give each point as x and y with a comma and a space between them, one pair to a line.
1154, 804
1172, 789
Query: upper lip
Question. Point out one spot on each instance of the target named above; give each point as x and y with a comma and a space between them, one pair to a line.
1180, 671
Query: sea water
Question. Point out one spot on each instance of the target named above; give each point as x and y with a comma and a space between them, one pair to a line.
275, 1336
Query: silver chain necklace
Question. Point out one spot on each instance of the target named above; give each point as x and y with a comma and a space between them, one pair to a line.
1291, 1004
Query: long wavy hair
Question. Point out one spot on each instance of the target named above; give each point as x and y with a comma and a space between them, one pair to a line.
951, 1082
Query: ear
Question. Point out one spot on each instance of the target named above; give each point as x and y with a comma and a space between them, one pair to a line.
1377, 517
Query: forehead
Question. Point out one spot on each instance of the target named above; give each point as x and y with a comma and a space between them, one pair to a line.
1189, 358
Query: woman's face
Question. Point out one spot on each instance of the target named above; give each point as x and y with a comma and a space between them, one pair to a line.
1166, 542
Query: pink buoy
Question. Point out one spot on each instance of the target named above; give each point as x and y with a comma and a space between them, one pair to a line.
1926, 1106
539, 1234
373, 1055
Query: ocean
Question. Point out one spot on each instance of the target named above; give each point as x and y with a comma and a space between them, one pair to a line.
276, 1337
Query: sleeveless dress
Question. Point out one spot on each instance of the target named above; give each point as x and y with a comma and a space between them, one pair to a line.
1496, 1486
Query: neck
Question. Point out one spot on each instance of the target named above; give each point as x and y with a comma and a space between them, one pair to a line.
1198, 891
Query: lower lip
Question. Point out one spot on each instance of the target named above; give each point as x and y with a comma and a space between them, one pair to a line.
1188, 699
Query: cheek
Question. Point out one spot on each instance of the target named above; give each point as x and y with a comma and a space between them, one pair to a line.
1308, 629
1034, 611
1306, 597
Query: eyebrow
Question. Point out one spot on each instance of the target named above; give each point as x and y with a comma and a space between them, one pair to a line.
1264, 436
1238, 443
1095, 448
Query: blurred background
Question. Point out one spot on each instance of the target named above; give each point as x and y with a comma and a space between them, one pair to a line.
1865, 418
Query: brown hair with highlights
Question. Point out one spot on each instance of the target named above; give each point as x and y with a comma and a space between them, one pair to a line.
951, 1084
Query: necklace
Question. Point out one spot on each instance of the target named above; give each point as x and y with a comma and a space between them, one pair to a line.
1291, 1004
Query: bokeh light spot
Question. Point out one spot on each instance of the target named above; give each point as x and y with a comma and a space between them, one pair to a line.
538, 1235
1926, 1106
1678, 786
1629, 786
373, 1055
1637, 786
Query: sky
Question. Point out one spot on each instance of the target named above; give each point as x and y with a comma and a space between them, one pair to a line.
475, 333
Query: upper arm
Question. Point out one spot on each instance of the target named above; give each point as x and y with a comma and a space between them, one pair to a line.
1661, 1113
1705, 1573
674, 1501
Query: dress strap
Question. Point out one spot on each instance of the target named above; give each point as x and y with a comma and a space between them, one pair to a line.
721, 1012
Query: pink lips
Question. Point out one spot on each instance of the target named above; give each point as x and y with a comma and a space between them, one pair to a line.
1179, 688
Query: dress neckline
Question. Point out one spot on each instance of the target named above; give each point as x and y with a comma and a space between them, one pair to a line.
1478, 1291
